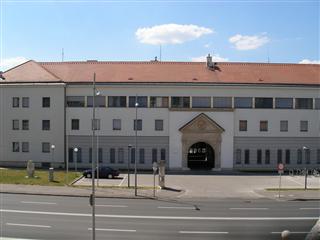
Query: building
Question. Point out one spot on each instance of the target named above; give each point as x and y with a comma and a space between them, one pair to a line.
193, 115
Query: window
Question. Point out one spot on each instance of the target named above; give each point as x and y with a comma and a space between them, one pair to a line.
267, 156
25, 124
25, 102
317, 103
238, 156
299, 156
243, 102
318, 156
70, 155
279, 156
116, 124
15, 102
141, 155
159, 102
133, 155
180, 102
90, 155
120, 155
284, 103
259, 156
307, 155
75, 124
201, 102
137, 125
263, 126
79, 155
45, 147
303, 126
163, 154
46, 125
112, 155
142, 102
25, 147
46, 102
99, 101
15, 124
15, 147
243, 125
154, 155
75, 101
283, 126
263, 102
100, 155
116, 101
287, 156
158, 125
95, 124
222, 102
247, 156
304, 103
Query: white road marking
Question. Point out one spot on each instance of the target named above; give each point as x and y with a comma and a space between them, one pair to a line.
45, 203
248, 208
27, 225
125, 177
309, 208
290, 232
162, 217
302, 184
202, 232
192, 208
113, 230
112, 206
7, 238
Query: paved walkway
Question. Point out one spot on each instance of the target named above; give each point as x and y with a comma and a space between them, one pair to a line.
184, 187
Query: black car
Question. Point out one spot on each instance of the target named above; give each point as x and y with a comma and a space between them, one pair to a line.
104, 172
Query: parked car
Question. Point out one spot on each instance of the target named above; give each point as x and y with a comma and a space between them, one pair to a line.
104, 172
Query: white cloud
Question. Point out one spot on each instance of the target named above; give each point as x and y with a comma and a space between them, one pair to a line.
215, 58
242, 42
170, 33
8, 63
207, 45
307, 61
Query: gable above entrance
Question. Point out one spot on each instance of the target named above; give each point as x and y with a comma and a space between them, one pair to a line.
201, 123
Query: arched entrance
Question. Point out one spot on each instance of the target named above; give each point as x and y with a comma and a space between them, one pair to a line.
201, 156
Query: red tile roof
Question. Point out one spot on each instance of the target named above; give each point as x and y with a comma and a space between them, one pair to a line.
165, 72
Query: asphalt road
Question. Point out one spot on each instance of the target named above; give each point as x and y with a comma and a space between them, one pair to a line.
50, 217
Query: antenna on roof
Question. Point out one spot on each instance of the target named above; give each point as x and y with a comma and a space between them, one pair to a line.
62, 55
160, 52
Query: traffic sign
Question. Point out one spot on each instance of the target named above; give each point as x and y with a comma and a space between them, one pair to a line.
155, 166
280, 168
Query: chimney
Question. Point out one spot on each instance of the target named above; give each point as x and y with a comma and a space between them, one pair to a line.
209, 61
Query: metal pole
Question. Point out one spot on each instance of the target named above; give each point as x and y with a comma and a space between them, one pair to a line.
279, 185
129, 154
136, 149
67, 160
76, 161
97, 158
92, 199
305, 178
154, 184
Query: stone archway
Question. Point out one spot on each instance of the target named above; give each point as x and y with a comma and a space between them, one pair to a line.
201, 129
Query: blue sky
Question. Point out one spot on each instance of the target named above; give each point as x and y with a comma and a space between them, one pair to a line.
284, 31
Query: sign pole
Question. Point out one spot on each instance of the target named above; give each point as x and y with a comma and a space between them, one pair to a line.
279, 184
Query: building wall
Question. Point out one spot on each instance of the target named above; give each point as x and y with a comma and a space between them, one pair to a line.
35, 113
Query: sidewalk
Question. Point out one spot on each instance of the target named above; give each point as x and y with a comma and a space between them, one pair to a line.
184, 187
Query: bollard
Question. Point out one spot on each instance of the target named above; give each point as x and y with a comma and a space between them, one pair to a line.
51, 177
285, 235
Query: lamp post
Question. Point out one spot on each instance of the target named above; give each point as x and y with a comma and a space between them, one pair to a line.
129, 154
75, 150
304, 148
95, 125
136, 149
52, 156
93, 163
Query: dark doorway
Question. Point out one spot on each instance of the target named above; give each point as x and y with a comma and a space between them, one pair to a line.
201, 156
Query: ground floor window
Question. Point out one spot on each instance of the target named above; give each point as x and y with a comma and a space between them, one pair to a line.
288, 156
163, 154
247, 156
238, 156
259, 156
267, 156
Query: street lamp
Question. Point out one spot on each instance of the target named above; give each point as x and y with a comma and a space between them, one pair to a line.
97, 93
52, 156
75, 150
136, 149
129, 154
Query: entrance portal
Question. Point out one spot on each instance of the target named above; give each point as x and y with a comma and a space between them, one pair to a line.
201, 156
